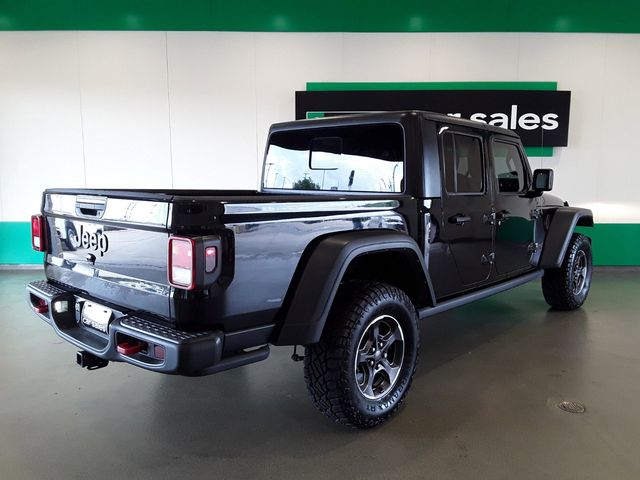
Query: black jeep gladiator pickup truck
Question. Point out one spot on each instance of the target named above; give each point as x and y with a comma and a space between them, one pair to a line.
363, 225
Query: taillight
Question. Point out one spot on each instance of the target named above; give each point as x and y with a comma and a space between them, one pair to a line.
38, 237
182, 265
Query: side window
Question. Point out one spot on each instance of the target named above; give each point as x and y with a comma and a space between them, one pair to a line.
509, 168
462, 163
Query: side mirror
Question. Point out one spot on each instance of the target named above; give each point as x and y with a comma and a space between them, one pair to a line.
542, 180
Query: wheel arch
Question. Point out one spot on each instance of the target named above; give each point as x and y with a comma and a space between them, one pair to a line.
563, 222
381, 255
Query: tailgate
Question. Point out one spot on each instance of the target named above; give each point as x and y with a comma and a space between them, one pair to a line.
115, 249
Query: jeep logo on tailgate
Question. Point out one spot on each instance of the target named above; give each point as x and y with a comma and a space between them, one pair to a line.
98, 241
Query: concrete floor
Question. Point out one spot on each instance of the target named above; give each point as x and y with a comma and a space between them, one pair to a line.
482, 405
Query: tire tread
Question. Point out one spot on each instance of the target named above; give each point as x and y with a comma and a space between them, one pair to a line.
325, 371
556, 282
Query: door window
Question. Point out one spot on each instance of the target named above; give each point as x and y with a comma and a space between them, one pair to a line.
509, 168
462, 164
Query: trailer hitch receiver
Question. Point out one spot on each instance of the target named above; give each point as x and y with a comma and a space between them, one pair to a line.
90, 361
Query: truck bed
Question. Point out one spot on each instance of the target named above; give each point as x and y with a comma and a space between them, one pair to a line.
123, 256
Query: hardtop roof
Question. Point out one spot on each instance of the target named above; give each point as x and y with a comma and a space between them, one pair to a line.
394, 116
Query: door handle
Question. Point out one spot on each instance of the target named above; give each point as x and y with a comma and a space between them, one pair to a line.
459, 219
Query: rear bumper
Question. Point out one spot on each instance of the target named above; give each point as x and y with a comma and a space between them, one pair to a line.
160, 348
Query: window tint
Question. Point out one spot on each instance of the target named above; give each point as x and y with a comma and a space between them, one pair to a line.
359, 158
462, 163
508, 167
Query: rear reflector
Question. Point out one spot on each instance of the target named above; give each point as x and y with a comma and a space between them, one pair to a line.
38, 233
41, 306
129, 348
210, 259
158, 352
182, 262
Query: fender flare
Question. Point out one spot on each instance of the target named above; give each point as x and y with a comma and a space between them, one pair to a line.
319, 278
563, 222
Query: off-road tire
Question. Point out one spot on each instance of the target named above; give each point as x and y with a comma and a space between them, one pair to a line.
563, 287
337, 381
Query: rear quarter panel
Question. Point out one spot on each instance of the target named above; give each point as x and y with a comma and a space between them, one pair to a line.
269, 243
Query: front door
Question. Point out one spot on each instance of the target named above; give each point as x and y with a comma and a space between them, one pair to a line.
466, 202
514, 242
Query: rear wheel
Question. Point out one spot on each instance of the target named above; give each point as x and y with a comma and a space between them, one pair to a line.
360, 371
72, 238
567, 287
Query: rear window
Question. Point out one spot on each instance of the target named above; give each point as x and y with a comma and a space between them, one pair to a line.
358, 158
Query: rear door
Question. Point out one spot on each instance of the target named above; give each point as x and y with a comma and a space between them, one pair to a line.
514, 244
114, 249
466, 202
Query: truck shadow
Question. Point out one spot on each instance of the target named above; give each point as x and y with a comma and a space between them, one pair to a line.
263, 411
462, 331
458, 332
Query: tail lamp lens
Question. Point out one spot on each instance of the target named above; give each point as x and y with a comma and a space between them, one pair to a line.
38, 233
182, 262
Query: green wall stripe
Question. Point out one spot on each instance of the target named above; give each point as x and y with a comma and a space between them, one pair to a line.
355, 86
15, 244
539, 151
620, 16
613, 244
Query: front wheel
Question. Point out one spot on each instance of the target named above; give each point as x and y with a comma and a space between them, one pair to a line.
360, 371
567, 287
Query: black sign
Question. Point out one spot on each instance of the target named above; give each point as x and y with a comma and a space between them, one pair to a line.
540, 117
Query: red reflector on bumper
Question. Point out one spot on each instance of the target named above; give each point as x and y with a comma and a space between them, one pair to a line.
126, 348
158, 352
40, 305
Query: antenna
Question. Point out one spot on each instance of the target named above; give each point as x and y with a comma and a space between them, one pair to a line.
541, 147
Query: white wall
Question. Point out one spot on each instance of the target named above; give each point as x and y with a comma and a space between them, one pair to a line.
191, 109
